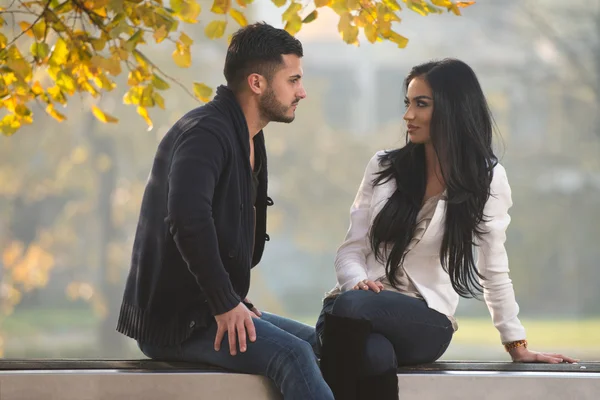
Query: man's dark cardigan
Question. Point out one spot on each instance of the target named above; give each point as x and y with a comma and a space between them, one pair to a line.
193, 247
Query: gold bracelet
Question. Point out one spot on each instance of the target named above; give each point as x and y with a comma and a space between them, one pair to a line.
513, 345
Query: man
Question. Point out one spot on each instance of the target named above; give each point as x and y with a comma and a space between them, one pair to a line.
202, 227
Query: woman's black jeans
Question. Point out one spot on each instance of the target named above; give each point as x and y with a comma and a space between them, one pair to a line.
405, 331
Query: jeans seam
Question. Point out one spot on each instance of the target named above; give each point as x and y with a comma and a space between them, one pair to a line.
289, 351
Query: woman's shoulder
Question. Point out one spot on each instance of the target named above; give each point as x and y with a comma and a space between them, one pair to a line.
499, 174
374, 164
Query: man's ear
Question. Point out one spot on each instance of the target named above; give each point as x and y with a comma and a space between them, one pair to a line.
257, 83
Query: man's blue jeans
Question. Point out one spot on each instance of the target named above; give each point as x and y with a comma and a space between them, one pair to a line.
283, 351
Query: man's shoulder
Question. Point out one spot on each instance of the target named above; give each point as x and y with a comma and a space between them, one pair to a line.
197, 124
205, 118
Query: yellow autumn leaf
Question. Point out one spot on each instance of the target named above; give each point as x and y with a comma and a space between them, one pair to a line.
417, 7
191, 12
221, 6
202, 91
464, 4
455, 9
57, 95
103, 117
9, 124
350, 35
322, 3
55, 114
3, 41
25, 27
293, 25
371, 33
160, 34
215, 29
37, 88
393, 5
66, 82
159, 83
339, 6
442, 3
17, 63
185, 39
182, 56
238, 16
159, 100
39, 30
291, 11
243, 3
400, 40
60, 53
113, 65
310, 17
353, 4
143, 112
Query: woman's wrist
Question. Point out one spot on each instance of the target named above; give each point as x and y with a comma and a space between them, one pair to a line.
516, 347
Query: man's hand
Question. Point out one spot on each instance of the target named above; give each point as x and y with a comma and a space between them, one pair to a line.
366, 284
235, 322
251, 307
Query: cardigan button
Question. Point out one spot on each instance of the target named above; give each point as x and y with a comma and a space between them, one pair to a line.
270, 201
192, 324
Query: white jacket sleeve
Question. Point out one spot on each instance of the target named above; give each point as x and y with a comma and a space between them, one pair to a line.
350, 261
492, 261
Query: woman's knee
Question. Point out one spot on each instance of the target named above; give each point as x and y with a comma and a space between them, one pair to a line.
379, 355
349, 304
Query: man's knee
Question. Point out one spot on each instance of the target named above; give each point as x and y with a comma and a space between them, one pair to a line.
349, 304
291, 358
379, 355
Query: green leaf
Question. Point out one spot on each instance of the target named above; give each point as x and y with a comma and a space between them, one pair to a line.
159, 83
310, 17
40, 50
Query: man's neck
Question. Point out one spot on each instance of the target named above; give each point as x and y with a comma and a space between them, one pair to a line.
251, 112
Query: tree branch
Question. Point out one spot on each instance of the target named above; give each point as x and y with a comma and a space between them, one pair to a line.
154, 66
39, 17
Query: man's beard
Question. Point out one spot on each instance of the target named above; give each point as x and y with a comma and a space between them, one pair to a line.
272, 110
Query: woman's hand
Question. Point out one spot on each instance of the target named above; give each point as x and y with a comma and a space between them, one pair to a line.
523, 355
366, 284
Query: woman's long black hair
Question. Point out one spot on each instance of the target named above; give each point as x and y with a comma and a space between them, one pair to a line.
461, 134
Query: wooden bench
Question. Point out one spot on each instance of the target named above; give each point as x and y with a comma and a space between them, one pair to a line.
154, 380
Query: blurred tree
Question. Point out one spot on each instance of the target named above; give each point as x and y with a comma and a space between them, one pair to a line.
62, 48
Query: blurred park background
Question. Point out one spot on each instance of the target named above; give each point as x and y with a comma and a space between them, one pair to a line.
70, 192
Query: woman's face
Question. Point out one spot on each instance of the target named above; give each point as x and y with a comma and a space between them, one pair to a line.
419, 109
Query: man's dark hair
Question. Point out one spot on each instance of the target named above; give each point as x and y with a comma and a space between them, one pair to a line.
257, 48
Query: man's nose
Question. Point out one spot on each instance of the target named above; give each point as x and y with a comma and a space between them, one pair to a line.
302, 93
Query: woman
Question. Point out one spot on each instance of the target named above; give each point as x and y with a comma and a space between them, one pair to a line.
420, 215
